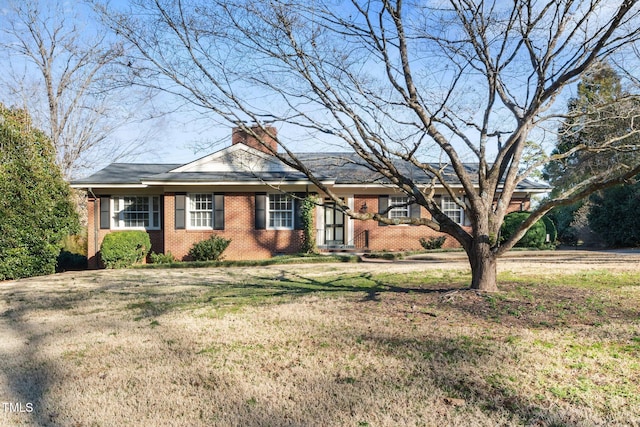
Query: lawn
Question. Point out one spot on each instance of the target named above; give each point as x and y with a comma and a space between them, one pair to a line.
321, 345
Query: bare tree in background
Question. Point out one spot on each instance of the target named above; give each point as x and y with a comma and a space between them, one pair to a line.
429, 84
62, 69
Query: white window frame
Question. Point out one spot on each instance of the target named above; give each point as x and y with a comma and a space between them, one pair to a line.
191, 203
271, 197
398, 211
118, 216
449, 206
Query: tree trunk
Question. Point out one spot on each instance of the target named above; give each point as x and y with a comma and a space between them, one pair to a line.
483, 268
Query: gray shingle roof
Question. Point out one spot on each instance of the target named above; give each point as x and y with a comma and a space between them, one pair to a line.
125, 173
344, 168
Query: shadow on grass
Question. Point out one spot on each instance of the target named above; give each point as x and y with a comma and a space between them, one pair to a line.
538, 306
289, 285
443, 362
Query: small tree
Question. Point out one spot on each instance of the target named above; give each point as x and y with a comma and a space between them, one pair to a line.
65, 72
35, 208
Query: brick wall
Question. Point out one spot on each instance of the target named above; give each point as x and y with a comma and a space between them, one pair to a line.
405, 237
246, 241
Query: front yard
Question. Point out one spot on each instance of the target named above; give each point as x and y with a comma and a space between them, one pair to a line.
369, 344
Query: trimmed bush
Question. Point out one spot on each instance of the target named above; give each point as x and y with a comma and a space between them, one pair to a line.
433, 242
123, 249
535, 236
209, 250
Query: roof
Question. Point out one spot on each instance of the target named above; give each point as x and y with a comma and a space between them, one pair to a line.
123, 174
238, 165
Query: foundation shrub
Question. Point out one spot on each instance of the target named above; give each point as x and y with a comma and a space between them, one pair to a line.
433, 242
210, 249
167, 258
123, 249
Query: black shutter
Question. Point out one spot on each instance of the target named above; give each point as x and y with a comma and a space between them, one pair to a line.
438, 201
261, 211
383, 204
297, 211
218, 211
414, 211
180, 216
105, 209
465, 221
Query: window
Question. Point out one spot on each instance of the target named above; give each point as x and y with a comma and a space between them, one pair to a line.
280, 211
136, 212
400, 207
451, 209
201, 210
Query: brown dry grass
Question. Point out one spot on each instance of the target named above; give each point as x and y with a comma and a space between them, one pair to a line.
382, 344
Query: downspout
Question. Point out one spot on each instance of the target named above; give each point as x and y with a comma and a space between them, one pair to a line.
96, 218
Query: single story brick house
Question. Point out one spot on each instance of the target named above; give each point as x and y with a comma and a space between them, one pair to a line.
240, 193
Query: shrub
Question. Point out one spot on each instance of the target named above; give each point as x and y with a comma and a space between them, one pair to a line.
167, 258
433, 242
122, 249
535, 236
69, 261
210, 249
36, 210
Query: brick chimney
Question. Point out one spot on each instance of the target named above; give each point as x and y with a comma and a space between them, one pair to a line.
265, 133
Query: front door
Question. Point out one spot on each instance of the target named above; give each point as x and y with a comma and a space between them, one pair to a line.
333, 225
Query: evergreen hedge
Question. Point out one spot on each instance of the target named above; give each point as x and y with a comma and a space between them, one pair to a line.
36, 211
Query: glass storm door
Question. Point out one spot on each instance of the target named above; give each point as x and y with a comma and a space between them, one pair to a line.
333, 225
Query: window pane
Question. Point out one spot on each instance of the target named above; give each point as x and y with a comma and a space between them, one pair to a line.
201, 210
399, 211
451, 209
328, 216
280, 211
136, 211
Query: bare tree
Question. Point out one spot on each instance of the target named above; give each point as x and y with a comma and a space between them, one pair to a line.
61, 69
397, 82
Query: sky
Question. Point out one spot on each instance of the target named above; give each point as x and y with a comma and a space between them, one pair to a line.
185, 135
